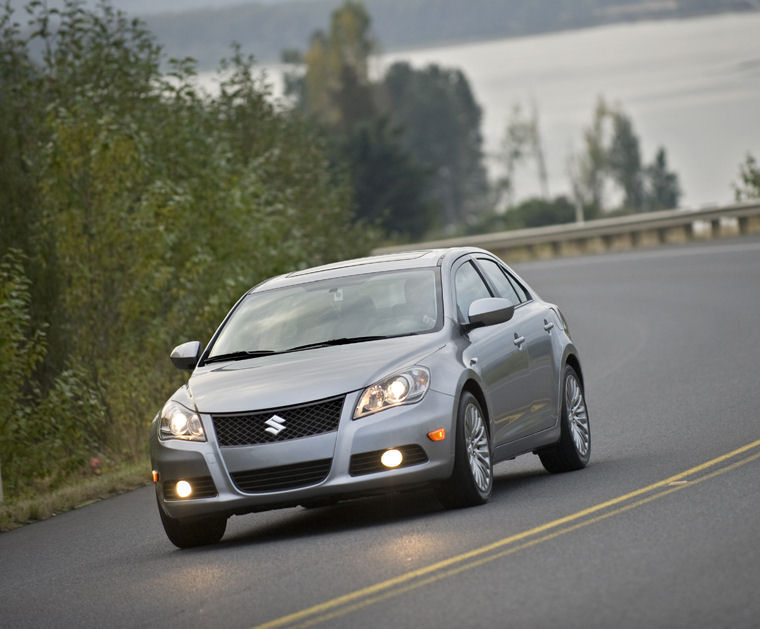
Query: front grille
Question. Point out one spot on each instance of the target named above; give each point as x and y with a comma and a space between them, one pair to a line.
203, 487
282, 477
369, 462
291, 422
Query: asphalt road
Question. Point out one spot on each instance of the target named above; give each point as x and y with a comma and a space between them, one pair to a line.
661, 530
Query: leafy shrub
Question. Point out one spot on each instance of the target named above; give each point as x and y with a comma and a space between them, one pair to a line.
144, 208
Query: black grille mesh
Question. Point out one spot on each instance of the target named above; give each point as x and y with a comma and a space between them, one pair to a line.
369, 462
247, 429
203, 487
282, 477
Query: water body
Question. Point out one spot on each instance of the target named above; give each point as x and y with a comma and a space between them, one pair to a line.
692, 86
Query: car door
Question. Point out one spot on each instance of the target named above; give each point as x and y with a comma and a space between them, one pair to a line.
533, 328
493, 352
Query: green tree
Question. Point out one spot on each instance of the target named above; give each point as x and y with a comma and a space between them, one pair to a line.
44, 434
540, 212
440, 122
662, 190
21, 350
335, 88
149, 208
522, 144
332, 88
611, 166
748, 187
23, 108
588, 170
536, 212
624, 160
388, 184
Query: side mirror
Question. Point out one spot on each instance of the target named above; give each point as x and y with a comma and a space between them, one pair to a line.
490, 311
186, 356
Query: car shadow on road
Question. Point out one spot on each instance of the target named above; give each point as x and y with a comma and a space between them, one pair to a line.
300, 522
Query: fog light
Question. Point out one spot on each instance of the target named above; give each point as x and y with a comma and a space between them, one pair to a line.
392, 458
184, 489
156, 476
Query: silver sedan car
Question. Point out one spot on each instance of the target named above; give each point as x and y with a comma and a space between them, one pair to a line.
364, 377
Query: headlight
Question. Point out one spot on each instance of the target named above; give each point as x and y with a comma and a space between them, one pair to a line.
401, 388
178, 422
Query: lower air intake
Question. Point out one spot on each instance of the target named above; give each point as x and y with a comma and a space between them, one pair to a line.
282, 477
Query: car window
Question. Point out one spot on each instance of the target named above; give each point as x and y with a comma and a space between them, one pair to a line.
469, 286
499, 280
392, 303
519, 288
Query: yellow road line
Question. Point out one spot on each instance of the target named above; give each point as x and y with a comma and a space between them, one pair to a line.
511, 550
441, 569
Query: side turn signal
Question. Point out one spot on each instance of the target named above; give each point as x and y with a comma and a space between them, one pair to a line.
437, 435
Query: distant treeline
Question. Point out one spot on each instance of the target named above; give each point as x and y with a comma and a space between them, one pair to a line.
266, 29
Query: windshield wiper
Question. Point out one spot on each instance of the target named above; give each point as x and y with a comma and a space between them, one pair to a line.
341, 341
241, 355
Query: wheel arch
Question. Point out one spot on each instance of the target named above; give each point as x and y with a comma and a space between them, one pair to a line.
575, 363
473, 387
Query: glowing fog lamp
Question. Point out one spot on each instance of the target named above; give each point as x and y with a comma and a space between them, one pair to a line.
392, 458
183, 489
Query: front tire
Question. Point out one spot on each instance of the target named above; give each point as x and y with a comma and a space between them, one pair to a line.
471, 482
191, 533
573, 450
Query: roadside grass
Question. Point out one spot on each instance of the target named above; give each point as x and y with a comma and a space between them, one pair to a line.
75, 493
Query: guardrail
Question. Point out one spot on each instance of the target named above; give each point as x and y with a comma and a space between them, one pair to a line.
608, 234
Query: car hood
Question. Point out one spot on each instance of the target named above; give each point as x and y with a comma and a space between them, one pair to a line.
298, 377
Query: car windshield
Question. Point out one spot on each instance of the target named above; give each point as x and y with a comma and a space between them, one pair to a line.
335, 311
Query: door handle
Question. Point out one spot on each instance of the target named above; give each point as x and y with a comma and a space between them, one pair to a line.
519, 340
548, 325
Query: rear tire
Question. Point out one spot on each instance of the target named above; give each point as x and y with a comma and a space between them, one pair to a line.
573, 450
195, 532
471, 482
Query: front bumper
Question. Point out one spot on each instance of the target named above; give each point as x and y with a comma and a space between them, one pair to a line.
222, 474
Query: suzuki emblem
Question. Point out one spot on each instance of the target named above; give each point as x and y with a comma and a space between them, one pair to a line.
276, 425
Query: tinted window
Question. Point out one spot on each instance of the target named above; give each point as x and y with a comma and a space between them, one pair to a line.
393, 303
524, 294
469, 287
500, 282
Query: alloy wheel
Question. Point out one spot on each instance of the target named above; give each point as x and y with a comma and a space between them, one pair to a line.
478, 450
577, 415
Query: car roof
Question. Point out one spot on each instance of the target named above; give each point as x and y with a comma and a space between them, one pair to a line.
385, 262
